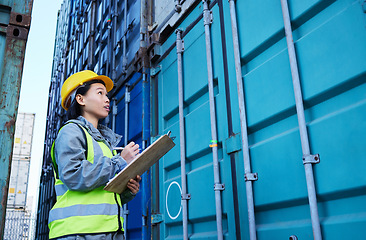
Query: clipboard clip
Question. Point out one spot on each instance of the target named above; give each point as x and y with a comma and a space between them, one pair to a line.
169, 133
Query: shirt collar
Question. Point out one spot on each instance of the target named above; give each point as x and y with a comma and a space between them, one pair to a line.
100, 133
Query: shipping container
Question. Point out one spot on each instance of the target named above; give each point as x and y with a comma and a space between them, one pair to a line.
329, 48
23, 134
15, 18
265, 102
18, 225
18, 185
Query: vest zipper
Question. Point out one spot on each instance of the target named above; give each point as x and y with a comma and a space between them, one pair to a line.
119, 214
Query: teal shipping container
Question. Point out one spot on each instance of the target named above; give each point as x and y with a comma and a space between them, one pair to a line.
291, 163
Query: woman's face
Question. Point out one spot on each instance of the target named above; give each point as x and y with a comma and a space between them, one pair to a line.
96, 102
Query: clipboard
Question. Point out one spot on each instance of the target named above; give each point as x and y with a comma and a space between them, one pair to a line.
140, 164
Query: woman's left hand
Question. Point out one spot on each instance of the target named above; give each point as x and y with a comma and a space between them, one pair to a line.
134, 185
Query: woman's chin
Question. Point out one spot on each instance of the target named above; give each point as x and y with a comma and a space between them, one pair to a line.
102, 116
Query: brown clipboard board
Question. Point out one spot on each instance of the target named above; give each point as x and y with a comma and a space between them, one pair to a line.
140, 164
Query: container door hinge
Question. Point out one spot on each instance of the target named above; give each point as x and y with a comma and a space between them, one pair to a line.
364, 6
179, 42
180, 46
207, 17
156, 218
186, 196
155, 71
219, 187
114, 110
314, 159
127, 97
251, 176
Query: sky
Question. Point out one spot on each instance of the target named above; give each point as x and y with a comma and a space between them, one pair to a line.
36, 81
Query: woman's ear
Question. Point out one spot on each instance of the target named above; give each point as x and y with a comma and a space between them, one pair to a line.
80, 99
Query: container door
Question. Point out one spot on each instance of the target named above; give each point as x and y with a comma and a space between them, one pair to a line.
329, 38
167, 189
134, 133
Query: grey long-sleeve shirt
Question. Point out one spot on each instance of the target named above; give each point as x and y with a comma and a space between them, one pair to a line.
74, 170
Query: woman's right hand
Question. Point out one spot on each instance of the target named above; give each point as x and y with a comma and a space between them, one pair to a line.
130, 152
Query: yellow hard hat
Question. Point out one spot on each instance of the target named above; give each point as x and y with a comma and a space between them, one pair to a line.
78, 79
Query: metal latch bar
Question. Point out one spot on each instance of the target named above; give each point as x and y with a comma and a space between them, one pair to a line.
219, 187
251, 176
314, 159
186, 196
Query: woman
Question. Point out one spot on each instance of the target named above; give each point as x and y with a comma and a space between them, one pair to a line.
84, 161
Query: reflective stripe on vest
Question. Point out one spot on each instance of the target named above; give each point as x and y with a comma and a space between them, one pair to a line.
75, 212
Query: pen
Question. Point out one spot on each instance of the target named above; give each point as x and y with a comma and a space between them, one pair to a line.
118, 148
121, 148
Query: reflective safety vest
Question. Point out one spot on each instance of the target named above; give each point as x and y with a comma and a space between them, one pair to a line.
96, 211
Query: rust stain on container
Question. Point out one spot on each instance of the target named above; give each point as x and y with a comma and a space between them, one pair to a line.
10, 126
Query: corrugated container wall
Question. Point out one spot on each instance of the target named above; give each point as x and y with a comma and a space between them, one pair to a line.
266, 101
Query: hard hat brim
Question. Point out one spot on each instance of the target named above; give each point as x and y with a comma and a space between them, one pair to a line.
107, 81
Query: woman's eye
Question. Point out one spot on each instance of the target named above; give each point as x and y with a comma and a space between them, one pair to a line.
100, 93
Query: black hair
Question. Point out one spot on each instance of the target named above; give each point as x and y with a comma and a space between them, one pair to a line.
74, 109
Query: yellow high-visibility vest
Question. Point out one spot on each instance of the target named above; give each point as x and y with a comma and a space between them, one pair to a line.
96, 211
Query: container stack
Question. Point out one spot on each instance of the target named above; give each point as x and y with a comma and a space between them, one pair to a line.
18, 217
